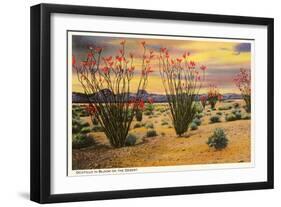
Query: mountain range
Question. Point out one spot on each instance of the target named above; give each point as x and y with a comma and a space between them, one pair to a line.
158, 98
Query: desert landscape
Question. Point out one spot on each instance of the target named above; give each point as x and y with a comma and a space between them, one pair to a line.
165, 148
149, 102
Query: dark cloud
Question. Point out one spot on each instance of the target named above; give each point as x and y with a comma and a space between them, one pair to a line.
243, 47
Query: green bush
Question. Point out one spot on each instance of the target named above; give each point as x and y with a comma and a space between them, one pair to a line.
97, 128
76, 128
149, 125
238, 115
230, 117
151, 133
197, 121
82, 140
131, 140
137, 125
199, 115
149, 107
198, 107
215, 119
193, 126
234, 111
218, 140
84, 124
246, 116
225, 107
85, 130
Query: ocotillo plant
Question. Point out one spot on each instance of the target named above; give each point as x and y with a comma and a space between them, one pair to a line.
107, 82
243, 82
213, 95
182, 82
203, 100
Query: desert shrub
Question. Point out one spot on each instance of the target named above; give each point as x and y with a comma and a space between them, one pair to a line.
82, 140
149, 125
208, 110
76, 128
193, 126
198, 107
162, 110
219, 113
131, 140
225, 107
163, 134
230, 117
236, 105
197, 121
149, 107
84, 124
218, 140
76, 121
199, 115
215, 119
148, 113
151, 133
246, 116
164, 123
97, 128
85, 130
238, 115
139, 115
137, 125
234, 111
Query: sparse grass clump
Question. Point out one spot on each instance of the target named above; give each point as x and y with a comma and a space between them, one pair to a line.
151, 133
164, 123
215, 119
81, 140
149, 125
234, 115
230, 117
147, 113
236, 105
218, 140
219, 113
131, 140
225, 107
193, 126
137, 125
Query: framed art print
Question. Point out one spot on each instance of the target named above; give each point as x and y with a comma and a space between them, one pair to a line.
132, 103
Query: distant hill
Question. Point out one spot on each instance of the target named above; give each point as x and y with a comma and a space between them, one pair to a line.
158, 98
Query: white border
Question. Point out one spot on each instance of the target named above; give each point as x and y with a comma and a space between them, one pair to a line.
61, 183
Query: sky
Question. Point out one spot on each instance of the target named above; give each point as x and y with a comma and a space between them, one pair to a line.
223, 58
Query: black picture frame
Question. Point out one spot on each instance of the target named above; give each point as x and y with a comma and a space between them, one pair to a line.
41, 96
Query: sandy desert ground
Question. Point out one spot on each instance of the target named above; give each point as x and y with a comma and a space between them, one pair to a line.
167, 149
